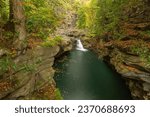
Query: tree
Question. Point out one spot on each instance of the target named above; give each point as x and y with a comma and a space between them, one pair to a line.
17, 23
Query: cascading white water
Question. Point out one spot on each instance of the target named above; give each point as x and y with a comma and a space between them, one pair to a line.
79, 45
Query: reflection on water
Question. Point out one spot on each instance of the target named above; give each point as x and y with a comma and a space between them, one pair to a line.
83, 76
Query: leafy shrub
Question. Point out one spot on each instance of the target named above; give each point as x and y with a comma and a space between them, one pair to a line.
41, 19
52, 42
81, 18
4, 11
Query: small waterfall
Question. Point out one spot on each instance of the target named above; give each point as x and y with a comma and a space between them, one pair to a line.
79, 45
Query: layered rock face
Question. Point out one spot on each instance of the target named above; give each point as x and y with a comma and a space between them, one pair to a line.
133, 69
32, 76
129, 56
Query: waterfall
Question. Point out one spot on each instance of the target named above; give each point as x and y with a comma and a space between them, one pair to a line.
79, 45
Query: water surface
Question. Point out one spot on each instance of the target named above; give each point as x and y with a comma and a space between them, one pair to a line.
82, 76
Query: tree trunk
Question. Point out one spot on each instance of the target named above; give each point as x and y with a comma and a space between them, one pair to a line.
17, 18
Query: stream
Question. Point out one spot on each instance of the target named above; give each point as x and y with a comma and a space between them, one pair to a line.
82, 76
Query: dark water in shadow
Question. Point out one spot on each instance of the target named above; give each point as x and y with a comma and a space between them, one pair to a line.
82, 76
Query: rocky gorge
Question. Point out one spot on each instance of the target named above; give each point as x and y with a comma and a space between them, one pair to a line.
30, 74
129, 55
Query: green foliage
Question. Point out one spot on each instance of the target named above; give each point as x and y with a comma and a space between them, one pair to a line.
147, 32
4, 11
27, 67
143, 51
101, 16
8, 35
41, 18
6, 63
58, 39
58, 95
52, 42
81, 17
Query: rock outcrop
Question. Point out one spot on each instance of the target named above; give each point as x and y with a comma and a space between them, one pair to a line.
129, 56
132, 67
134, 70
32, 73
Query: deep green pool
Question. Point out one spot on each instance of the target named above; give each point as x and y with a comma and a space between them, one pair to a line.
82, 76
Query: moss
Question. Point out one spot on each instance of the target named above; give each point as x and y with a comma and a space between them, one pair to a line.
142, 50
6, 64
147, 32
52, 42
58, 95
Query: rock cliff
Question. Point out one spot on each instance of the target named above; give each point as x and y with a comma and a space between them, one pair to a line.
129, 55
31, 74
